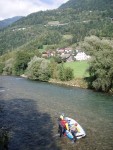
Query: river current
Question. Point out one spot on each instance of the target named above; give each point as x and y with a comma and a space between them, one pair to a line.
29, 112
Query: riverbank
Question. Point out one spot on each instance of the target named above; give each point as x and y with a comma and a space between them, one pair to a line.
79, 82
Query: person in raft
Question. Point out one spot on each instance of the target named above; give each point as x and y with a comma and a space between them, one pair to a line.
63, 126
74, 129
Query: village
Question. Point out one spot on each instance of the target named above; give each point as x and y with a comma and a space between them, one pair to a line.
67, 54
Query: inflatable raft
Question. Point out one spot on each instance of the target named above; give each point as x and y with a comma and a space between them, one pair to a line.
80, 131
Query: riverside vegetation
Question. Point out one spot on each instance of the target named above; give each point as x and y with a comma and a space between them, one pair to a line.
100, 70
87, 24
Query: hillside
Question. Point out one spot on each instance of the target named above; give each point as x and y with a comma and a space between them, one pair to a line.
89, 5
75, 19
6, 22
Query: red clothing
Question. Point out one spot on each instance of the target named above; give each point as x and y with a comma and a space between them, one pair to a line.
64, 124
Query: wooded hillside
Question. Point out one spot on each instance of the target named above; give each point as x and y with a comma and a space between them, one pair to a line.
76, 19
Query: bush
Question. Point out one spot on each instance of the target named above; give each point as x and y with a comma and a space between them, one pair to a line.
21, 62
69, 74
65, 74
101, 64
38, 69
1, 67
62, 73
8, 67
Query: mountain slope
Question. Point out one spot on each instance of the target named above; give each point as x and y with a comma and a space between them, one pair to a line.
75, 19
81, 5
9, 21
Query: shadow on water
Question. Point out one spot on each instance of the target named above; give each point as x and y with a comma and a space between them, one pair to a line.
25, 122
25, 126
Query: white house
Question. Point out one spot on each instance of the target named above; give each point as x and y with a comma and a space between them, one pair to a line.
82, 56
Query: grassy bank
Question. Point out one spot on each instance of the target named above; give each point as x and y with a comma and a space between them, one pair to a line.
79, 68
80, 73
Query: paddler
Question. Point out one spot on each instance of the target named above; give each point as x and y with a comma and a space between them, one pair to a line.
63, 125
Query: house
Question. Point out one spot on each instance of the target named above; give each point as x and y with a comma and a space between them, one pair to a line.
45, 55
68, 50
81, 56
48, 54
67, 57
53, 23
60, 51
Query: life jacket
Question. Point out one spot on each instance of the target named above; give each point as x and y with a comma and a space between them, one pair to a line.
78, 129
64, 124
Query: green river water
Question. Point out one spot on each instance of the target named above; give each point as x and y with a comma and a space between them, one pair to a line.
29, 111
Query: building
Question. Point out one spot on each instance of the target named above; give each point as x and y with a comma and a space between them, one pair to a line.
81, 56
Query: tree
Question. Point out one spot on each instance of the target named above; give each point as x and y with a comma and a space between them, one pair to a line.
8, 67
61, 73
69, 75
65, 74
21, 62
101, 65
53, 69
38, 69
1, 67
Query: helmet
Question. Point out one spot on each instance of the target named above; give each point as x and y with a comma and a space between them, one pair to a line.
61, 117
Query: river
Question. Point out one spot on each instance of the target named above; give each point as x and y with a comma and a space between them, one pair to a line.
29, 111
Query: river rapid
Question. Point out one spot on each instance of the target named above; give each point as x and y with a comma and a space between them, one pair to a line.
29, 112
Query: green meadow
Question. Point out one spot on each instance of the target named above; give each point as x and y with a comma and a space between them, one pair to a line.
79, 68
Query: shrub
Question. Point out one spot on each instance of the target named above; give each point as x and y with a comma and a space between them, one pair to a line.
65, 74
38, 69
53, 69
101, 64
21, 62
1, 67
8, 67
69, 74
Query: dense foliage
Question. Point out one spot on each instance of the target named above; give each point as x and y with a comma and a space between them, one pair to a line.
81, 5
101, 65
60, 28
21, 62
1, 67
6, 22
65, 74
78, 18
38, 69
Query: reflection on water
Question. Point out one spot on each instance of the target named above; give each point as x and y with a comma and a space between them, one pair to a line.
29, 110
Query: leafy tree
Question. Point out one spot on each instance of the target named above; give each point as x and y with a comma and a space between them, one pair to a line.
58, 59
1, 67
53, 69
52, 37
32, 69
65, 74
38, 69
69, 75
21, 62
101, 65
44, 71
8, 68
61, 73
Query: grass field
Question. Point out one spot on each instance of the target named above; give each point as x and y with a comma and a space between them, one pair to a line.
79, 68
